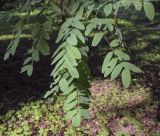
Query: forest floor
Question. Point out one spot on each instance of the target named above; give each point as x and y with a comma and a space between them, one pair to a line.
114, 111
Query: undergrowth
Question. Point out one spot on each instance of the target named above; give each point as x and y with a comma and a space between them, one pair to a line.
113, 111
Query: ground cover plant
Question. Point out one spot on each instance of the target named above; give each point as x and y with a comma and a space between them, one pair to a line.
125, 112
71, 72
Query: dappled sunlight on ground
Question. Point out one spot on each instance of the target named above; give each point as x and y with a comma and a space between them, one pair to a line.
113, 111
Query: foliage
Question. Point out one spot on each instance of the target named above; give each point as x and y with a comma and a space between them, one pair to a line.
76, 21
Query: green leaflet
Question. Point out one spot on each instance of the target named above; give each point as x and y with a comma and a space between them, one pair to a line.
35, 30
84, 51
48, 93
67, 23
28, 69
40, 35
35, 55
63, 84
84, 100
44, 34
79, 35
116, 71
58, 57
75, 6
118, 32
59, 48
80, 12
114, 43
116, 5
126, 78
48, 25
55, 8
121, 55
138, 5
110, 27
149, 10
97, 38
6, 56
72, 70
58, 72
108, 9
43, 47
13, 45
27, 60
73, 51
109, 68
89, 11
130, 66
71, 60
126, 3
72, 40
71, 114
64, 32
70, 106
84, 113
71, 97
106, 61
78, 25
57, 67
89, 28
76, 120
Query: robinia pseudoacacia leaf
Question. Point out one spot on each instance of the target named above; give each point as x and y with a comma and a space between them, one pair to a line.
149, 10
